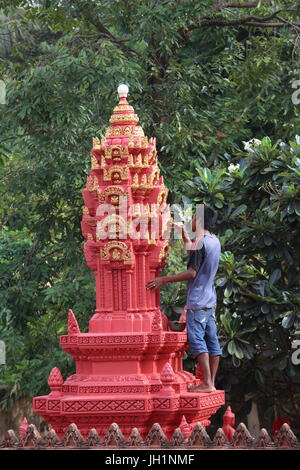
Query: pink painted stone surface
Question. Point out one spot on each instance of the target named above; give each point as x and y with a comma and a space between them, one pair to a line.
128, 365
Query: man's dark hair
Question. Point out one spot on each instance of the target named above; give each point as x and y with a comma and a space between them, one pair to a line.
210, 218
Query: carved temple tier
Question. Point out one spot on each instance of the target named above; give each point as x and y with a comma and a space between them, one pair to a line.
128, 365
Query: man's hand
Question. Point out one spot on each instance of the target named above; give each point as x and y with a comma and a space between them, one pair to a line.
190, 273
185, 237
180, 227
155, 283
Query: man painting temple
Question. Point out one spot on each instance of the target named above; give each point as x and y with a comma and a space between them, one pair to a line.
201, 301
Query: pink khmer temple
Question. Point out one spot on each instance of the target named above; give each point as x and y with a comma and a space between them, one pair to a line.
129, 364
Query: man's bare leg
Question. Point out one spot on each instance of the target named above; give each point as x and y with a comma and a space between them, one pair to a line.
213, 365
207, 384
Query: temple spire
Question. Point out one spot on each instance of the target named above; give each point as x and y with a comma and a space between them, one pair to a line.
128, 365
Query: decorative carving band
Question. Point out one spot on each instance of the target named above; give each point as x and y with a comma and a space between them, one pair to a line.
161, 403
112, 195
115, 250
104, 405
116, 173
124, 118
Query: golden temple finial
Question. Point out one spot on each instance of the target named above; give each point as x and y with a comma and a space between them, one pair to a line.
123, 115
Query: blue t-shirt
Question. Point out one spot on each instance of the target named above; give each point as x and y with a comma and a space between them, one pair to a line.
205, 260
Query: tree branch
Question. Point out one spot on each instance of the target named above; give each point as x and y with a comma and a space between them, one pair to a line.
104, 32
261, 21
290, 23
220, 6
247, 21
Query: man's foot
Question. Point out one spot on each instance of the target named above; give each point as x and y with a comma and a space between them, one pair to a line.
202, 388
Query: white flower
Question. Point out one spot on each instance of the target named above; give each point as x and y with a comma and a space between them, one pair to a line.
233, 167
250, 144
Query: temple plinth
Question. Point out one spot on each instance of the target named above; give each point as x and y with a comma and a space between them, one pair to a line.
128, 365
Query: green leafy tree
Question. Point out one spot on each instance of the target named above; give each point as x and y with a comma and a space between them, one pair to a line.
258, 280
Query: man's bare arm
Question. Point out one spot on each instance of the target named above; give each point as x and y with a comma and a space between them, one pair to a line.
190, 273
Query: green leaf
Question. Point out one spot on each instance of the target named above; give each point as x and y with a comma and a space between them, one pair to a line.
235, 350
297, 207
275, 276
218, 203
231, 347
266, 142
262, 285
238, 351
239, 210
259, 377
236, 361
221, 281
288, 320
228, 291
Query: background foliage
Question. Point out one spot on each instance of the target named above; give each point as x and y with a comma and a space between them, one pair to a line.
203, 76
